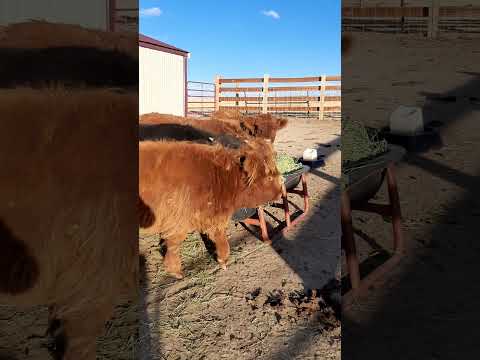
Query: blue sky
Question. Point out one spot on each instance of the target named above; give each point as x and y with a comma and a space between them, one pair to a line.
249, 38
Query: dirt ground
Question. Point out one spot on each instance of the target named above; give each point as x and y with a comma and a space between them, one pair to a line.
250, 310
417, 313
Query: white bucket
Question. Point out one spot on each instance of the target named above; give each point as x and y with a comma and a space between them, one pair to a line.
310, 155
406, 120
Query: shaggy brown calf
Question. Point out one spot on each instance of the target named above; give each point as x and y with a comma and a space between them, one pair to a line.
37, 53
186, 187
260, 125
213, 126
68, 220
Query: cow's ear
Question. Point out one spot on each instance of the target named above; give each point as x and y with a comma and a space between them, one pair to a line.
281, 123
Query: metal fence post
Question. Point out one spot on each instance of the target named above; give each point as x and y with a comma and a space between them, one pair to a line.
433, 15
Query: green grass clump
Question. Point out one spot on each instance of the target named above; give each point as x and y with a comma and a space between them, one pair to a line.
287, 164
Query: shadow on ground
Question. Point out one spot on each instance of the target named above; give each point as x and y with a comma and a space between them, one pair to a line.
429, 310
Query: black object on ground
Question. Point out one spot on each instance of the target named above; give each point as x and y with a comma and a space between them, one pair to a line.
418, 143
275, 298
253, 294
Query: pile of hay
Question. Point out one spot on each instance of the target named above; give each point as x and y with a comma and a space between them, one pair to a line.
358, 144
287, 164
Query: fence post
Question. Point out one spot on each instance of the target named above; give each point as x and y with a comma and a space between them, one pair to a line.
217, 92
323, 84
433, 15
265, 94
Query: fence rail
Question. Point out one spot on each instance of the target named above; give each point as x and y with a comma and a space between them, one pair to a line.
428, 20
123, 19
319, 100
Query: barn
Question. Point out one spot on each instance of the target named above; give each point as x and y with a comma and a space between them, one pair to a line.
162, 77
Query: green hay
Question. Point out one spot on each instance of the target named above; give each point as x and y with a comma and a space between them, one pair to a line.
287, 164
358, 144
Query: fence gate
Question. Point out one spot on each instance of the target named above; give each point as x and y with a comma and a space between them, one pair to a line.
201, 98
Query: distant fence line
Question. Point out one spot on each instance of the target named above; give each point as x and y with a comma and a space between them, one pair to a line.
429, 20
312, 96
122, 19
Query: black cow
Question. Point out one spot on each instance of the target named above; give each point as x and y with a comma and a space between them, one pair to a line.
178, 132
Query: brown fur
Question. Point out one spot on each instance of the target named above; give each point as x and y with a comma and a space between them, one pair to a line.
42, 34
213, 126
245, 127
198, 187
18, 269
68, 206
260, 125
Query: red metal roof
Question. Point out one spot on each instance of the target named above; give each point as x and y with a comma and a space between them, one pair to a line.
151, 43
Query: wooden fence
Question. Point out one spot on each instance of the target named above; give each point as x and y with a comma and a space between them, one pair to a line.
430, 20
125, 18
313, 96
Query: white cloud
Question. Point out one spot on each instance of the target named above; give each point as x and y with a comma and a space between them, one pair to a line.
154, 11
271, 13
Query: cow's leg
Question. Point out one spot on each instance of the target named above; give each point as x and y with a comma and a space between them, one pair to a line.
75, 334
172, 261
219, 237
209, 245
57, 342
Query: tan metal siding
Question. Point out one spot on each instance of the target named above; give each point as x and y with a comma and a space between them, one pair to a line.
162, 82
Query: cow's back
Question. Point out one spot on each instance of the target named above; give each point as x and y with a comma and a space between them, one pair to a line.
202, 181
228, 134
173, 132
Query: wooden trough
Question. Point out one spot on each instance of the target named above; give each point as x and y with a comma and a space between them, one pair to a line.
291, 181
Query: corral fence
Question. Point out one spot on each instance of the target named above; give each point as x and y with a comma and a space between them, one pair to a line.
123, 18
201, 98
313, 96
429, 20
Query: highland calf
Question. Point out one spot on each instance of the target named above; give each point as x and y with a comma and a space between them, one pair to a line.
68, 221
187, 187
263, 126
246, 127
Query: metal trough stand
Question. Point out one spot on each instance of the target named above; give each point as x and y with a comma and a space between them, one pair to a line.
360, 286
286, 208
